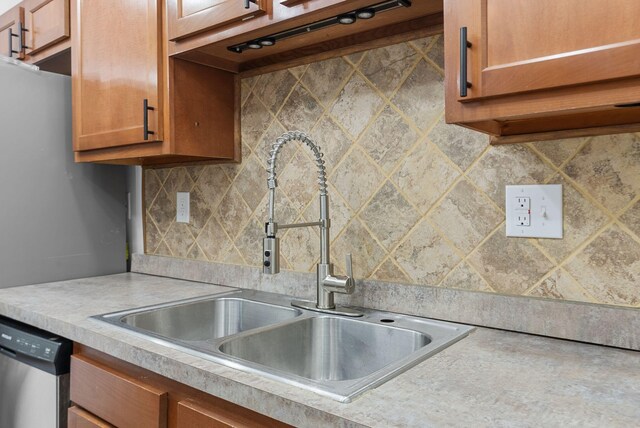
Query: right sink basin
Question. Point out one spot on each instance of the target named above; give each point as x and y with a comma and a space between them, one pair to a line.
327, 348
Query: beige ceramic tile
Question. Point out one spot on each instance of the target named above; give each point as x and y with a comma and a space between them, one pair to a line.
509, 265
284, 211
465, 278
424, 176
385, 147
213, 184
249, 242
301, 248
273, 88
194, 171
245, 91
253, 182
389, 216
609, 268
233, 212
179, 180
389, 271
299, 180
436, 53
153, 237
425, 256
356, 105
608, 167
196, 253
325, 78
559, 151
581, 220
461, 145
366, 252
199, 210
355, 58
301, 111
255, 119
163, 250
152, 186
163, 173
421, 96
632, 218
299, 70
356, 178
333, 142
232, 256
560, 285
213, 240
466, 215
508, 164
388, 66
163, 211
423, 43
179, 239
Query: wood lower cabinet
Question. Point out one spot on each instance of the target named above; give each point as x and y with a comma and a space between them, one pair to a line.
109, 392
134, 105
11, 24
540, 66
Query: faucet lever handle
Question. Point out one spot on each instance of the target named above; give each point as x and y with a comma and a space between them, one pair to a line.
349, 265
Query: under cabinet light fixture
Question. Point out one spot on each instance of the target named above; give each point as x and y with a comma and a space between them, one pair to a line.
342, 19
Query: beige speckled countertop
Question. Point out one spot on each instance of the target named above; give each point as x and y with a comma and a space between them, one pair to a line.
491, 378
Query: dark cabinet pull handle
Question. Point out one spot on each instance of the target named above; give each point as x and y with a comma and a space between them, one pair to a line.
11, 36
21, 31
247, 4
464, 45
147, 107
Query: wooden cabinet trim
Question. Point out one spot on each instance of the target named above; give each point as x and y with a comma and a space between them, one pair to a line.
100, 389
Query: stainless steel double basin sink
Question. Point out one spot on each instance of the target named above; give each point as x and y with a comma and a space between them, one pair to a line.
260, 332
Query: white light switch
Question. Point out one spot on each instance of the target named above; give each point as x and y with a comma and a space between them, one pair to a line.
182, 209
534, 211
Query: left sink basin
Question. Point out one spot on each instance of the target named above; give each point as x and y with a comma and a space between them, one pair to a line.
203, 319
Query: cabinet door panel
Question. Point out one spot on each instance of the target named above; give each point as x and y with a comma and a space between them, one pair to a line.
188, 17
533, 45
10, 21
48, 23
116, 65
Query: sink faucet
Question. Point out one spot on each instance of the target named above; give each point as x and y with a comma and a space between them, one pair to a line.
327, 282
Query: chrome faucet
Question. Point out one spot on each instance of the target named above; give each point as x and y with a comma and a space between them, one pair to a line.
327, 282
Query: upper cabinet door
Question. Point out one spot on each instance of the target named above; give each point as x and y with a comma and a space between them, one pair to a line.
10, 37
116, 66
188, 17
529, 45
47, 22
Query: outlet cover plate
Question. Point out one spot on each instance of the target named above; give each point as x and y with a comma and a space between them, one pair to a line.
182, 209
544, 213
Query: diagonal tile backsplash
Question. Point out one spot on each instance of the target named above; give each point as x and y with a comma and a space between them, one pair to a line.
414, 199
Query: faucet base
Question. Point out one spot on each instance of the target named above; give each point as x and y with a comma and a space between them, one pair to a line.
338, 310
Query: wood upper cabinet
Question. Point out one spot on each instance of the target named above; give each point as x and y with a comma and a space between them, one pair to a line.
47, 22
188, 17
533, 59
11, 24
116, 68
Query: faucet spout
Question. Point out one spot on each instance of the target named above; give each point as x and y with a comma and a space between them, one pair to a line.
327, 282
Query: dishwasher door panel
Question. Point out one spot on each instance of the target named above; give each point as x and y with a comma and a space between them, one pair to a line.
28, 396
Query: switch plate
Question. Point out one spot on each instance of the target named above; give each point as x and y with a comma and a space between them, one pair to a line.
182, 209
534, 211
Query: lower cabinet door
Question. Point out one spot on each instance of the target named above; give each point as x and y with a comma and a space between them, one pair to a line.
78, 418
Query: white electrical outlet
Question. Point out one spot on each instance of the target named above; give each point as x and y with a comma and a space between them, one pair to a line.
182, 209
534, 211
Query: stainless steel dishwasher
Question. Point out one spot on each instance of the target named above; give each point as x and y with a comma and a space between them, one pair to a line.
34, 377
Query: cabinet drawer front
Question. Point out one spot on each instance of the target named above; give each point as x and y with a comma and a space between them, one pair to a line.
117, 398
78, 418
48, 23
192, 414
188, 17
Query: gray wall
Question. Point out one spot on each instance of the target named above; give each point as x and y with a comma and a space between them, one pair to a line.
58, 219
